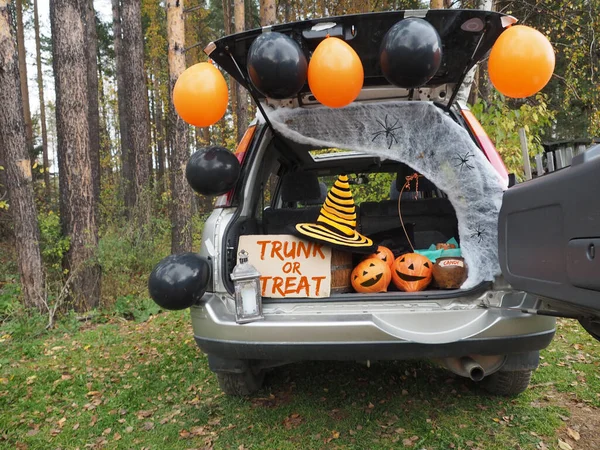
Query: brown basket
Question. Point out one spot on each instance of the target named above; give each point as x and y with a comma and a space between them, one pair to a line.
341, 269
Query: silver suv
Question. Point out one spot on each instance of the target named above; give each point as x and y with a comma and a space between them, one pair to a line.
492, 329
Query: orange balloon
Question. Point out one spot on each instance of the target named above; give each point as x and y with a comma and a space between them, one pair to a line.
521, 62
335, 73
200, 95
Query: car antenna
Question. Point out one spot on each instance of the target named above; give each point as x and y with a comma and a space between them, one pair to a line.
465, 72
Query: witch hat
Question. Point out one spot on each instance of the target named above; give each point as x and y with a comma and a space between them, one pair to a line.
336, 224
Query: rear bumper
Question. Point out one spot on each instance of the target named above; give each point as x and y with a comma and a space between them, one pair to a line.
359, 351
354, 330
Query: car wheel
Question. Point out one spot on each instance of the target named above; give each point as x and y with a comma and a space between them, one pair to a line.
240, 384
507, 383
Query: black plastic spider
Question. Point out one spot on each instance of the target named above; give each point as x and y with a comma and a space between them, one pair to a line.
478, 233
463, 161
388, 132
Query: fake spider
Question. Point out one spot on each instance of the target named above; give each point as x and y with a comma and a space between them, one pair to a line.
463, 161
478, 233
388, 132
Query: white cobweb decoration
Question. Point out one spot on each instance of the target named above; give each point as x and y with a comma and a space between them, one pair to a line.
424, 137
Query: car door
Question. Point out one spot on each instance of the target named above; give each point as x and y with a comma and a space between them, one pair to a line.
549, 238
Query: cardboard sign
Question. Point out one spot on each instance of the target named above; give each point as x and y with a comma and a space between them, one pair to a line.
289, 267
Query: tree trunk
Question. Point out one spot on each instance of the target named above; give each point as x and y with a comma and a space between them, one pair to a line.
160, 137
268, 12
40, 82
136, 103
181, 211
126, 165
23, 74
76, 186
18, 170
91, 45
241, 106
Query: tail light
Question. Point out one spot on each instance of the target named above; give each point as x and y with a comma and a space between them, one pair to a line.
240, 153
486, 144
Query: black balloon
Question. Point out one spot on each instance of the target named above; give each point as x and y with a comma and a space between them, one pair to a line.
212, 171
276, 65
410, 53
178, 281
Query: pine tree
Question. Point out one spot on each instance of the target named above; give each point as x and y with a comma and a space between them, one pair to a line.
78, 218
18, 170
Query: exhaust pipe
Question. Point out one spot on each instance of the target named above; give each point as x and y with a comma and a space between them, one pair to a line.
472, 368
475, 368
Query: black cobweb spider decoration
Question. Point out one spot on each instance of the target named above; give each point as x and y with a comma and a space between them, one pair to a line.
388, 132
463, 161
478, 232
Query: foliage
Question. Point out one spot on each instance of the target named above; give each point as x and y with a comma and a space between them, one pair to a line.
136, 308
376, 189
10, 290
502, 119
53, 244
573, 29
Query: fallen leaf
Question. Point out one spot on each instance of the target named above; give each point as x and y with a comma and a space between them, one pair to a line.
292, 421
563, 445
573, 434
106, 431
407, 442
148, 426
76, 426
94, 420
33, 432
116, 436
335, 434
128, 429
61, 422
144, 414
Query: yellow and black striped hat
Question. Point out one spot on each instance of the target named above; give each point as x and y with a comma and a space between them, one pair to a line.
336, 225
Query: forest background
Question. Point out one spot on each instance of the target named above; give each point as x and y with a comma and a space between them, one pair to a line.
107, 197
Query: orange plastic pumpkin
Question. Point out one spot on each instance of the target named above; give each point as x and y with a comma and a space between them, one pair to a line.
412, 272
371, 275
384, 254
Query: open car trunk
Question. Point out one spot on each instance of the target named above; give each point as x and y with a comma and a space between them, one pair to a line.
459, 192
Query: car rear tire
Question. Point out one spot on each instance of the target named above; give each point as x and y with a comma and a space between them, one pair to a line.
507, 383
240, 384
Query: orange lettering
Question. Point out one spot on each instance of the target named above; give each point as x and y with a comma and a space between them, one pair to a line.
289, 252
304, 285
263, 246
276, 249
290, 285
318, 286
296, 268
302, 248
264, 281
287, 267
277, 283
317, 248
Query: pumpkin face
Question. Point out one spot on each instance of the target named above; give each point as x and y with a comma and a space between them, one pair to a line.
384, 254
371, 275
411, 272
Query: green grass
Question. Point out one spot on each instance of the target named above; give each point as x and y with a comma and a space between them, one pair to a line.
128, 384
